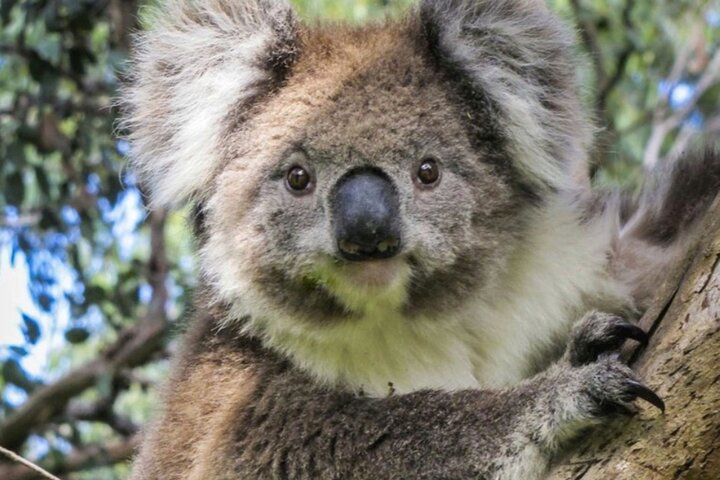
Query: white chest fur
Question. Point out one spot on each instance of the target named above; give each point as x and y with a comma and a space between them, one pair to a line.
548, 283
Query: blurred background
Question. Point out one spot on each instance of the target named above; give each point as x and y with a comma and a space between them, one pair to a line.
93, 288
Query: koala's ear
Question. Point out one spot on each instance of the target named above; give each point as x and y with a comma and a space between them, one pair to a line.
522, 59
198, 61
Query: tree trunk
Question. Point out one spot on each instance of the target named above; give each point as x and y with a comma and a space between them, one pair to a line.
682, 364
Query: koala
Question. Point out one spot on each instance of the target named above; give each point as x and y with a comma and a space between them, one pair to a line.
404, 272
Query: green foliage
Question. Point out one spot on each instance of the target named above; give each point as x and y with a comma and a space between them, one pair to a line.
68, 210
641, 43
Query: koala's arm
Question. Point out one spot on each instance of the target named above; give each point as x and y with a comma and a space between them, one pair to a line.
241, 413
295, 430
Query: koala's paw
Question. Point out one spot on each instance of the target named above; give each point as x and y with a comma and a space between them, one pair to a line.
598, 333
608, 386
577, 397
590, 383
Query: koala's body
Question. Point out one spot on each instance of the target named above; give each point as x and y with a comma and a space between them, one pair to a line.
398, 243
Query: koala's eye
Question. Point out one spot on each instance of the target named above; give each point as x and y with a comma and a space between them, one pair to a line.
298, 179
429, 172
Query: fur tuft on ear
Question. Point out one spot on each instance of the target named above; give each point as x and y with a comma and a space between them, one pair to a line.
197, 62
522, 58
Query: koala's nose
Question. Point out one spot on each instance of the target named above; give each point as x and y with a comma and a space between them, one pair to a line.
366, 210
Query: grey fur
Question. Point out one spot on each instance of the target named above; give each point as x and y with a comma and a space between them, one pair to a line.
521, 56
660, 226
293, 428
180, 77
675, 197
298, 365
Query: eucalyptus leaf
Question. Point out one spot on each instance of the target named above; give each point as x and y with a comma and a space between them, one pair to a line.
30, 329
77, 335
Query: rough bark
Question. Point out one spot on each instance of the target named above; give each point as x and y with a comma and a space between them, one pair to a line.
682, 363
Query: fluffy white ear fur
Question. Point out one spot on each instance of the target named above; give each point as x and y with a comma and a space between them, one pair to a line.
197, 62
522, 58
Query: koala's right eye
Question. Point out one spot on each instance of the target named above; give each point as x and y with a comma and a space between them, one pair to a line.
298, 180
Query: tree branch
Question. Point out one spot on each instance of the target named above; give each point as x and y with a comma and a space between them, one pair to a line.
93, 456
606, 86
664, 124
680, 363
134, 346
100, 411
604, 82
589, 37
26, 465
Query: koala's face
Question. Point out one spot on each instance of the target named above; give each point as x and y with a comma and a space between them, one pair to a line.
345, 170
356, 186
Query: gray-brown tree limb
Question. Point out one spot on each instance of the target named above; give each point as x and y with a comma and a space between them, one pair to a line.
664, 122
609, 69
681, 362
92, 456
133, 347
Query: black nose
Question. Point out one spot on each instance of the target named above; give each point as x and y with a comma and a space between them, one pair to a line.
366, 215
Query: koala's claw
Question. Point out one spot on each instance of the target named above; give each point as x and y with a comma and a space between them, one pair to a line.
638, 390
598, 333
630, 330
612, 387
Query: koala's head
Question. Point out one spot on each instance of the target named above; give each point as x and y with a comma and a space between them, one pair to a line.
340, 169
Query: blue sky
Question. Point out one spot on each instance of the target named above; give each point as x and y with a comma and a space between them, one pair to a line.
14, 300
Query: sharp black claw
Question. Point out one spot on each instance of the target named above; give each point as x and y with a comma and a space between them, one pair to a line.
630, 330
639, 390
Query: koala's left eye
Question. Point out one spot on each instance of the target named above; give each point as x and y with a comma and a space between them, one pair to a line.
428, 173
298, 180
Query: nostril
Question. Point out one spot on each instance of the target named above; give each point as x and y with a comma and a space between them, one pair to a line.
349, 247
388, 245
383, 249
